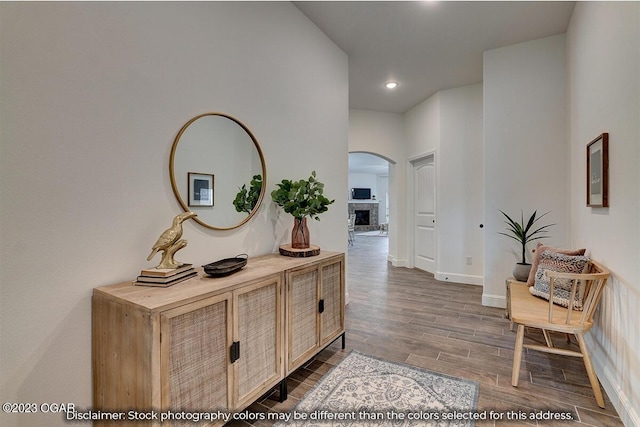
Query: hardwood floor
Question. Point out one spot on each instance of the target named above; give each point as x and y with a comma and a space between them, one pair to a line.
405, 315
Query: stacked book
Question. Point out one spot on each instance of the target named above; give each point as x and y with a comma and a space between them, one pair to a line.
164, 277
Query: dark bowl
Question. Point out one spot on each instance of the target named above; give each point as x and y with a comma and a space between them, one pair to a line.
226, 266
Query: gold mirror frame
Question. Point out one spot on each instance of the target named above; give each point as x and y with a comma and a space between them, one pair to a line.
174, 184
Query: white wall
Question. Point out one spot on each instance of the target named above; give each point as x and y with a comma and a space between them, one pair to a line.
422, 138
460, 204
422, 127
525, 150
382, 187
363, 180
92, 97
383, 134
604, 96
450, 124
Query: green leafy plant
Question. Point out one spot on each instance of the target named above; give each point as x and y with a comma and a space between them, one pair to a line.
302, 198
247, 198
525, 233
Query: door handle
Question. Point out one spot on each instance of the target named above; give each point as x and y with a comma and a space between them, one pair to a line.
234, 351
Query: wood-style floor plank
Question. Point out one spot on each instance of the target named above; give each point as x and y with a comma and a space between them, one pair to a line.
405, 315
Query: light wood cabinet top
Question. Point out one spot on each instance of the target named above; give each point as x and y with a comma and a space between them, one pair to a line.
158, 299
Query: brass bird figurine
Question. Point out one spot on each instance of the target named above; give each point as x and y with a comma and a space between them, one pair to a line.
169, 242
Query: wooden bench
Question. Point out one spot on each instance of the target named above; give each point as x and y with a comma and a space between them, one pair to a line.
527, 310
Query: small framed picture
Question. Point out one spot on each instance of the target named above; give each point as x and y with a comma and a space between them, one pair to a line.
598, 172
200, 189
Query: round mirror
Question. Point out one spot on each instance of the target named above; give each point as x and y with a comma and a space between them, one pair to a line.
217, 171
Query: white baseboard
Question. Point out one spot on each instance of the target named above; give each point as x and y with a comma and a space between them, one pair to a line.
628, 414
499, 301
397, 262
459, 278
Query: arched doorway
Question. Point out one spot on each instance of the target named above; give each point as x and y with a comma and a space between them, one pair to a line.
368, 194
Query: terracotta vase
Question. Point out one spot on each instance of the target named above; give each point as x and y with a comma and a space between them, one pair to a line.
300, 234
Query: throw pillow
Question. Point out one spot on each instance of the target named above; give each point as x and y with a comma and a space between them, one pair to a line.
536, 258
554, 261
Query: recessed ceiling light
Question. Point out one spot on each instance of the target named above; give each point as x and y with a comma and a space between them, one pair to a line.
391, 85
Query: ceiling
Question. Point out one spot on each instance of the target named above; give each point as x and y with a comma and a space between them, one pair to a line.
426, 46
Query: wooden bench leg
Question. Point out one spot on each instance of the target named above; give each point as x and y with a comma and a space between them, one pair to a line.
517, 356
547, 338
593, 378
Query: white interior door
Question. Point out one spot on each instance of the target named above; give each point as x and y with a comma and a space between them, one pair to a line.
424, 184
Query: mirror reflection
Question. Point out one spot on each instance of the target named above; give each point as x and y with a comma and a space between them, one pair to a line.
217, 171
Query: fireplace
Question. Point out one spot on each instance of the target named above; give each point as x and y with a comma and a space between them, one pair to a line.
362, 217
366, 213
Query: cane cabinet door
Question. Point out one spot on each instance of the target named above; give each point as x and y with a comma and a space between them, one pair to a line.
194, 364
303, 317
331, 301
315, 310
258, 327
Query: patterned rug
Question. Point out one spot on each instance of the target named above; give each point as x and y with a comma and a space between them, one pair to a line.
364, 391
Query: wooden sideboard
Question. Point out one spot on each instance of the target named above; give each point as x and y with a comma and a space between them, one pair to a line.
214, 344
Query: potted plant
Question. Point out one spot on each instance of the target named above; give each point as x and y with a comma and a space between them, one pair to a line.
301, 199
524, 233
247, 198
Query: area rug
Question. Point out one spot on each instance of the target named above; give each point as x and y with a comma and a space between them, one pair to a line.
364, 390
375, 233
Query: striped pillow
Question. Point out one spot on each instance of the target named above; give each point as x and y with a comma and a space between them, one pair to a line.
555, 261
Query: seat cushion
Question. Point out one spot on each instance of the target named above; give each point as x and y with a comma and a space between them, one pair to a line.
562, 263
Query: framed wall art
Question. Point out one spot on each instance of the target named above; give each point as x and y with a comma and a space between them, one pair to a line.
200, 189
598, 172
